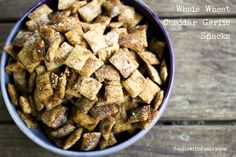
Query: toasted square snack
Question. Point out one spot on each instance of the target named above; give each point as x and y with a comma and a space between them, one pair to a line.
44, 86
90, 141
53, 48
77, 5
25, 56
85, 120
121, 116
107, 72
65, 4
10, 50
114, 92
154, 75
105, 127
71, 89
113, 7
55, 117
139, 114
134, 84
105, 54
27, 119
145, 124
22, 37
91, 10
148, 57
84, 104
73, 138
157, 47
163, 71
78, 57
14, 67
91, 65
104, 20
13, 93
129, 16
38, 102
37, 22
32, 81
43, 9
99, 28
63, 131
66, 24
107, 143
75, 36
59, 16
48, 34
124, 64
149, 91
20, 80
95, 40
158, 100
104, 111
61, 87
62, 54
88, 87
24, 103
112, 38
121, 127
40, 69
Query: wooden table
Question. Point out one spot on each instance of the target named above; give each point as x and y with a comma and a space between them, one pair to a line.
202, 108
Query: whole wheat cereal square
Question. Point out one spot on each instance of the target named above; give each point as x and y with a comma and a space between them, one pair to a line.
149, 91
158, 47
63, 131
85, 120
84, 104
129, 16
61, 87
44, 86
90, 141
148, 57
55, 117
158, 99
25, 56
139, 114
135, 84
63, 52
163, 71
121, 127
132, 55
21, 80
96, 41
25, 105
97, 27
107, 72
75, 36
120, 116
9, 48
48, 34
65, 4
37, 22
73, 138
38, 103
114, 92
53, 48
71, 90
42, 9
77, 5
14, 67
123, 63
104, 20
21, 38
91, 10
91, 65
113, 7
107, 143
105, 127
67, 24
13, 93
105, 54
59, 16
145, 124
102, 112
40, 69
28, 120
112, 38
154, 74
88, 87
77, 57
32, 81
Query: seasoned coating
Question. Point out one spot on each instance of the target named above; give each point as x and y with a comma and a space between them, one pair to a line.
37, 22
107, 143
43, 9
158, 99
148, 57
25, 105
63, 131
91, 10
113, 7
107, 72
163, 71
90, 141
139, 114
27, 119
73, 138
13, 93
84, 104
105, 127
65, 4
153, 74
114, 92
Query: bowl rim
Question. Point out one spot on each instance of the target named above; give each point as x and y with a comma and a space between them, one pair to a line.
116, 148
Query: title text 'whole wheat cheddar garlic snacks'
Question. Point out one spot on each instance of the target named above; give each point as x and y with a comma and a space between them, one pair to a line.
86, 73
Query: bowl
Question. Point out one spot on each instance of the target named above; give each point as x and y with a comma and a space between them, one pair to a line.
38, 137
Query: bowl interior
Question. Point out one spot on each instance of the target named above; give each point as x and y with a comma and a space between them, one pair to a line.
155, 29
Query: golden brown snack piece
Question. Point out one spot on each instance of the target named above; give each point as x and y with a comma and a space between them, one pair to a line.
105, 54
32, 81
40, 69
91, 65
38, 102
63, 131
114, 92
158, 99
53, 48
55, 117
75, 36
37, 22
113, 7
73, 138
103, 20
107, 143
84, 104
13, 93
25, 105
139, 114
154, 75
61, 88
90, 141
66, 24
78, 57
42, 9
107, 72
27, 119
149, 91
10, 50
22, 37
104, 111
48, 34
88, 87
85, 120
91, 10
146, 124
65, 4
121, 127
124, 64
77, 5
112, 38
134, 84
157, 47
163, 71
148, 57
20, 80
71, 89
105, 127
